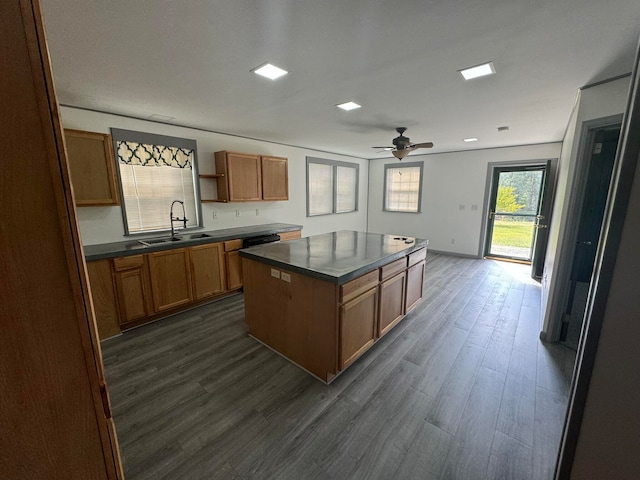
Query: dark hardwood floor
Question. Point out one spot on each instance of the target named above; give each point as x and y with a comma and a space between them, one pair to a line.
462, 388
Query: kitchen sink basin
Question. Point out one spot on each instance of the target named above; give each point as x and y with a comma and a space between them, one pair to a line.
199, 235
156, 241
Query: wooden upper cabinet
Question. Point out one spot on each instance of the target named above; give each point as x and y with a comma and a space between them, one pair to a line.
207, 270
244, 177
170, 276
241, 180
92, 168
275, 178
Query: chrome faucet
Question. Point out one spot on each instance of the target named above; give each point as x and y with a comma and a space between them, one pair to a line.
184, 218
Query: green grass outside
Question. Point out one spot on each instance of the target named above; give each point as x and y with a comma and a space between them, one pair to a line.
512, 234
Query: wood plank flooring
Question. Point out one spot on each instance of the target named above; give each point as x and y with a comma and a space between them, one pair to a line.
461, 389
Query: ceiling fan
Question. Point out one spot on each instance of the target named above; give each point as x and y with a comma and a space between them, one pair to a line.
403, 146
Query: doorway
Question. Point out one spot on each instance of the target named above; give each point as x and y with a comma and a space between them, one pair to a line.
603, 145
515, 215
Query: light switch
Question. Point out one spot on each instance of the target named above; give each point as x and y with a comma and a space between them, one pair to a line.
275, 273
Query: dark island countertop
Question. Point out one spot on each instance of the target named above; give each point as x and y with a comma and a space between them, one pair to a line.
336, 257
134, 247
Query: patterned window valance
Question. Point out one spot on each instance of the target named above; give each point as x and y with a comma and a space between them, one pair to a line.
134, 153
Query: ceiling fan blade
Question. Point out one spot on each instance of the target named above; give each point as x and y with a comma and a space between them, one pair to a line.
385, 148
423, 145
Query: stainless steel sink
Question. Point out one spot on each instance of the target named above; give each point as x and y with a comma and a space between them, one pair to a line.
156, 241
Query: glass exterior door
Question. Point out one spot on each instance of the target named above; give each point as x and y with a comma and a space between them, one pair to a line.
514, 212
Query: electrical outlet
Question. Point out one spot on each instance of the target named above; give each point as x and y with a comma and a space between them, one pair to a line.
237, 213
286, 277
474, 207
257, 212
215, 214
453, 241
275, 273
461, 207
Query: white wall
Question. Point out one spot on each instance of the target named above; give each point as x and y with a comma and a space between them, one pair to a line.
596, 102
104, 224
450, 180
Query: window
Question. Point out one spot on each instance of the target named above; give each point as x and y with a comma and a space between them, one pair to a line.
403, 187
154, 171
332, 187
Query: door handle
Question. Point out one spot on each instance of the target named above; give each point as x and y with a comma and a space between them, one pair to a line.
539, 226
491, 214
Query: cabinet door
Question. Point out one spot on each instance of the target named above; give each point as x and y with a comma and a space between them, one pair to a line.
103, 296
92, 168
415, 279
243, 175
275, 178
357, 326
391, 302
234, 270
170, 279
207, 270
130, 285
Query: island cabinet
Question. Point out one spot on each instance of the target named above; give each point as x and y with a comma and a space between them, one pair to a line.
296, 303
415, 279
170, 274
92, 168
393, 283
358, 317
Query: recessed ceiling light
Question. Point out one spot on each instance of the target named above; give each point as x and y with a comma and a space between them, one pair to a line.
473, 139
478, 71
269, 71
348, 106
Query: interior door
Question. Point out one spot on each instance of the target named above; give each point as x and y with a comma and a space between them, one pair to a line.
598, 180
514, 209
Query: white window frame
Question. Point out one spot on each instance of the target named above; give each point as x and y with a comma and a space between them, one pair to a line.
119, 135
334, 165
385, 188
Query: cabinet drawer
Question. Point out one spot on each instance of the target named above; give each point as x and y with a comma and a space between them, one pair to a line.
284, 236
231, 245
352, 289
127, 263
393, 268
417, 256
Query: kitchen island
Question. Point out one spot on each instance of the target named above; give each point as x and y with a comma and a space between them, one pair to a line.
322, 301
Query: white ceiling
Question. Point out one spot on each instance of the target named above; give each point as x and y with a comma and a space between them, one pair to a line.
191, 60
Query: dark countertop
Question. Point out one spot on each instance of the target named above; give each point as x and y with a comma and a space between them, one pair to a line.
133, 247
336, 257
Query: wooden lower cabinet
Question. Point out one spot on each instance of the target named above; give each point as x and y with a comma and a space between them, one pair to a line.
131, 286
170, 279
207, 270
234, 270
358, 326
415, 280
392, 300
103, 294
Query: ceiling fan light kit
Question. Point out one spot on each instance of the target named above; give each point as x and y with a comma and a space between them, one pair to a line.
403, 146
